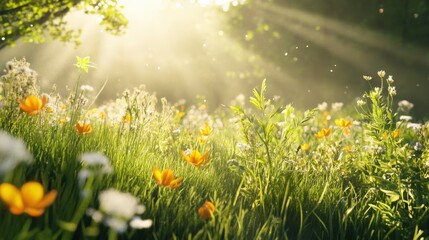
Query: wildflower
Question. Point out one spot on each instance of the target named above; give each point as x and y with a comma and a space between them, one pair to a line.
206, 130
381, 73
322, 106
166, 178
206, 211
343, 123
194, 157
390, 79
348, 148
86, 88
360, 102
117, 209
29, 199
305, 147
392, 91
126, 118
32, 104
243, 146
94, 164
12, 152
323, 133
83, 128
396, 133
405, 118
405, 106
336, 106
367, 78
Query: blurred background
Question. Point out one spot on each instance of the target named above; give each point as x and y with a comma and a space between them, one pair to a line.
309, 51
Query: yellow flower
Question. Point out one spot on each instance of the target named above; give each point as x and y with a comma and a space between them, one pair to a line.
83, 128
29, 199
194, 158
348, 148
127, 118
396, 133
206, 130
323, 133
32, 104
305, 147
166, 178
343, 123
206, 211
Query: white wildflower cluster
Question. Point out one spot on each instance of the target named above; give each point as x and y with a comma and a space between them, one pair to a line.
322, 106
239, 100
19, 79
118, 210
86, 88
405, 106
392, 90
337, 106
381, 73
12, 152
367, 78
94, 164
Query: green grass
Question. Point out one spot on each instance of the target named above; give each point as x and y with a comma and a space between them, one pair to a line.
263, 185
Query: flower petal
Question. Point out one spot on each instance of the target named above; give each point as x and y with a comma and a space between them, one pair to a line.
157, 175
48, 199
32, 193
8, 193
35, 212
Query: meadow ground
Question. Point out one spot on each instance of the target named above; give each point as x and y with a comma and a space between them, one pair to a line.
139, 167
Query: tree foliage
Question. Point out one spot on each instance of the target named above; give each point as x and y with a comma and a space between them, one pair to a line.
40, 20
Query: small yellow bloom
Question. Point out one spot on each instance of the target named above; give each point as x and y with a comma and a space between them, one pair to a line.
32, 104
206, 130
348, 148
83, 128
29, 199
195, 158
343, 123
166, 178
126, 118
396, 133
206, 211
305, 147
323, 133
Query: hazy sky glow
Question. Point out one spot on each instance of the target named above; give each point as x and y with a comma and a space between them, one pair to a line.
181, 49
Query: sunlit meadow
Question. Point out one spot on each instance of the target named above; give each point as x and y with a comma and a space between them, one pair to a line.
74, 165
142, 167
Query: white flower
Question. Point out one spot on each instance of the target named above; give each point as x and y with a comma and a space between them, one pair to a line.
360, 102
322, 106
94, 164
381, 73
86, 88
390, 79
392, 91
119, 208
12, 152
367, 78
138, 223
336, 106
405, 106
414, 126
405, 118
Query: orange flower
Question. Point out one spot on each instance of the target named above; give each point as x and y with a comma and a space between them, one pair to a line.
29, 199
206, 130
83, 128
396, 133
305, 147
32, 104
323, 133
194, 158
166, 178
343, 123
206, 211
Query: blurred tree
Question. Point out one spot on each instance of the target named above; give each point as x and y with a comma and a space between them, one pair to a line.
39, 20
